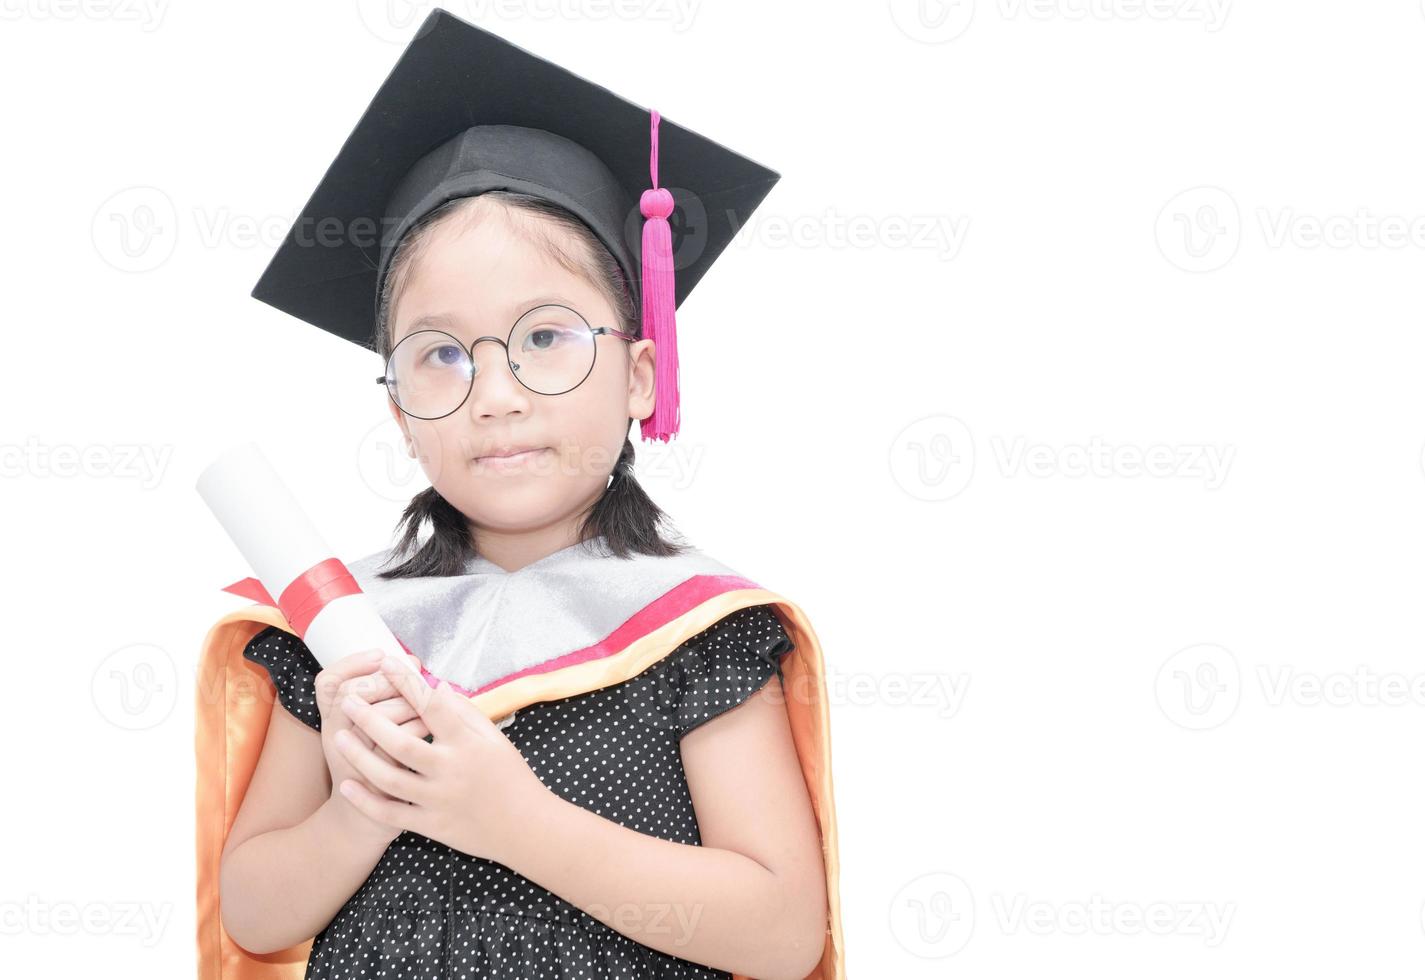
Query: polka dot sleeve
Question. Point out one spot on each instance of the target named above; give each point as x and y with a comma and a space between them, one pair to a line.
293, 669
725, 665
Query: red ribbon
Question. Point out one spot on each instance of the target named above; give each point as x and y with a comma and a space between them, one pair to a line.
308, 594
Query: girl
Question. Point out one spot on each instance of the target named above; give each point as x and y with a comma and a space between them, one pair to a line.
650, 804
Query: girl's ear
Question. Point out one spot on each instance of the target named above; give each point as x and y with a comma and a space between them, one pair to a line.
408, 445
642, 356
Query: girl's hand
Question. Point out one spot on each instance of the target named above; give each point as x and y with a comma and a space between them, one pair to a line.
358, 676
470, 789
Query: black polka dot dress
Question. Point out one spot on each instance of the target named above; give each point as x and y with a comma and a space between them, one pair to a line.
428, 911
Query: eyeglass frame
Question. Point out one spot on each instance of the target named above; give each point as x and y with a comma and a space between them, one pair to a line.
596, 332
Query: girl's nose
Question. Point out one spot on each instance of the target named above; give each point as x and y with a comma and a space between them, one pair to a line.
495, 390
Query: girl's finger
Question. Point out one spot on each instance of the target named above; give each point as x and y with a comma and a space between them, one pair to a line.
416, 727
368, 687
393, 813
452, 708
396, 710
329, 679
469, 715
407, 749
374, 792
381, 754
443, 709
400, 713
384, 776
352, 665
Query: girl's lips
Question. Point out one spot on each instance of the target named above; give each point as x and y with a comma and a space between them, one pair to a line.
509, 462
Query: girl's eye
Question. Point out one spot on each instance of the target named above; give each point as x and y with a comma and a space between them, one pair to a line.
544, 338
444, 355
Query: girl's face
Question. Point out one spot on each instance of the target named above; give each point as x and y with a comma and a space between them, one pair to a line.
475, 279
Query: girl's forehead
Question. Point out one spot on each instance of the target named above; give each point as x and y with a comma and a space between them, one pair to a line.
469, 284
494, 253
488, 250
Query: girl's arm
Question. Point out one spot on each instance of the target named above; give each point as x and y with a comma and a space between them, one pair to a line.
751, 900
295, 853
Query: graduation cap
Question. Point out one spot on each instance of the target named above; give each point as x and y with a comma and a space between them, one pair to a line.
464, 112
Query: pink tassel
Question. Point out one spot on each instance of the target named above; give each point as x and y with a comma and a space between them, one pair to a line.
659, 301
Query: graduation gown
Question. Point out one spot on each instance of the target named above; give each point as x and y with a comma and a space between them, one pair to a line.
573, 622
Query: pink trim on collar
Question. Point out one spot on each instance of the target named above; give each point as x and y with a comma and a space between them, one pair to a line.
660, 612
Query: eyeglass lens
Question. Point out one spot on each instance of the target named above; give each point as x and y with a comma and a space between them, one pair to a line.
551, 351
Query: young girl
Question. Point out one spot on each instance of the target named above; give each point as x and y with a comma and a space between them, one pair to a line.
650, 804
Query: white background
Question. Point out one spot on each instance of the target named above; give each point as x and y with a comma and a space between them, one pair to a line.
1069, 380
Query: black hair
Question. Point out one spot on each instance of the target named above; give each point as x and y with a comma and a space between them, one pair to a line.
625, 516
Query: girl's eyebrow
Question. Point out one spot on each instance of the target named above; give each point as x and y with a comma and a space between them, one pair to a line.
448, 321
441, 320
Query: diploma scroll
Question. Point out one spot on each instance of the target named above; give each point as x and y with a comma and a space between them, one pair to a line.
315, 592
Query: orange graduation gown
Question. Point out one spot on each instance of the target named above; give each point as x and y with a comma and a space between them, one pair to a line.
235, 699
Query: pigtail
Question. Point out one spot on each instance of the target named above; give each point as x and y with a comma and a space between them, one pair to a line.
627, 517
445, 551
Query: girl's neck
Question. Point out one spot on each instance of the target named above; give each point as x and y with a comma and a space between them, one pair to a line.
512, 551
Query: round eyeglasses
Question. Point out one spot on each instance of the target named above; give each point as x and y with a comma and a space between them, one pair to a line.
550, 350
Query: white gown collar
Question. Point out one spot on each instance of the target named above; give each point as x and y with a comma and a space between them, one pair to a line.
485, 624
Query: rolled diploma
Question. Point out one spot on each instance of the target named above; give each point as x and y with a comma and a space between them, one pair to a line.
273, 533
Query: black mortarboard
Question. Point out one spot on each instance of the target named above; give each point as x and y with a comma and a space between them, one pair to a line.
463, 112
